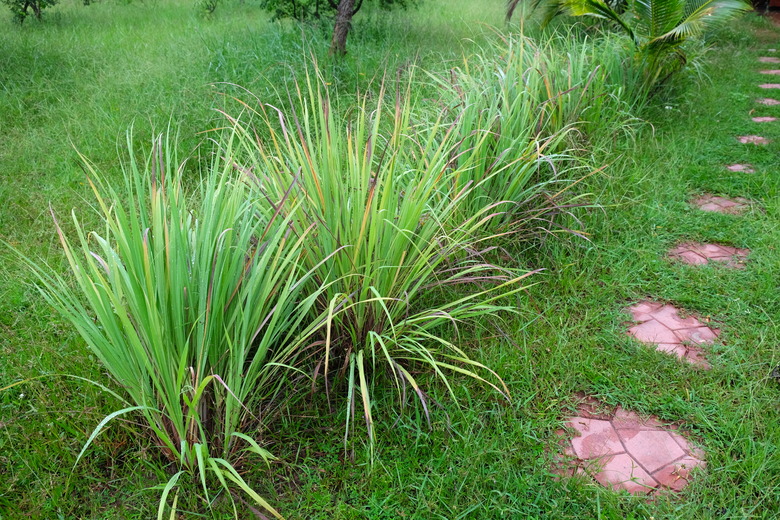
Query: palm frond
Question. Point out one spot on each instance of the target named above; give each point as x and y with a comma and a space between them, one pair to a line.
702, 16
594, 8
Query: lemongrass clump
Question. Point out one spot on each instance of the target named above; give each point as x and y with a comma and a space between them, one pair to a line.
520, 107
386, 215
192, 302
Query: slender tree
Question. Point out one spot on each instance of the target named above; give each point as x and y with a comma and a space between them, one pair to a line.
22, 8
511, 5
341, 11
345, 10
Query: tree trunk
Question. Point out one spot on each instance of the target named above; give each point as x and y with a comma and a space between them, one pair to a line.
510, 9
344, 13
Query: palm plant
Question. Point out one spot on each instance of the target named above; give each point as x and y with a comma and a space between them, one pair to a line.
193, 303
658, 28
380, 193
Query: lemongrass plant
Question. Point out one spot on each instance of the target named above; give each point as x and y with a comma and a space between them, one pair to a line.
194, 303
520, 106
381, 195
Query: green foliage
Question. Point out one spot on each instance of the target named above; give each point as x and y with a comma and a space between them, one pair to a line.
192, 302
21, 8
388, 236
315, 9
522, 105
658, 28
81, 80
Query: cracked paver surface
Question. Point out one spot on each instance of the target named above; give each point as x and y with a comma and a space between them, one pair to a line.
623, 451
695, 253
768, 101
718, 204
745, 168
661, 325
752, 139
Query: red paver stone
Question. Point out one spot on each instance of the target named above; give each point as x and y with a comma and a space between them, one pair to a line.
744, 168
597, 438
773, 71
764, 119
769, 85
694, 253
675, 476
768, 101
717, 204
624, 451
622, 472
653, 332
653, 449
753, 139
663, 326
769, 59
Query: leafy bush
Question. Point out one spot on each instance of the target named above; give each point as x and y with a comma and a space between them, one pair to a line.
308, 9
658, 28
21, 8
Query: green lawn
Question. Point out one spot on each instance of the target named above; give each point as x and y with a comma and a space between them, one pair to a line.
78, 80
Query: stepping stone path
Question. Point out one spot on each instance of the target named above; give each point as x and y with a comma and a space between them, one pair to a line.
622, 451
717, 204
753, 139
744, 168
618, 448
693, 253
661, 325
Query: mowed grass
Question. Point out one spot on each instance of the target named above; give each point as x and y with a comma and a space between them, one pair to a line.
79, 79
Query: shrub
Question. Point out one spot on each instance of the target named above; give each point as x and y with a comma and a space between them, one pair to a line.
21, 8
659, 29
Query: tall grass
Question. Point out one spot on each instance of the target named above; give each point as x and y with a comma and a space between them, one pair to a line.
381, 194
193, 302
323, 238
524, 108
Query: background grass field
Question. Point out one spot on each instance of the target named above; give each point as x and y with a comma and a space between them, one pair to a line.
80, 78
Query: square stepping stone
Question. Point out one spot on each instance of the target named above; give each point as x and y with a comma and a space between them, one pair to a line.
708, 202
769, 59
753, 139
597, 438
623, 451
769, 85
764, 119
653, 449
661, 325
743, 168
622, 472
695, 253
